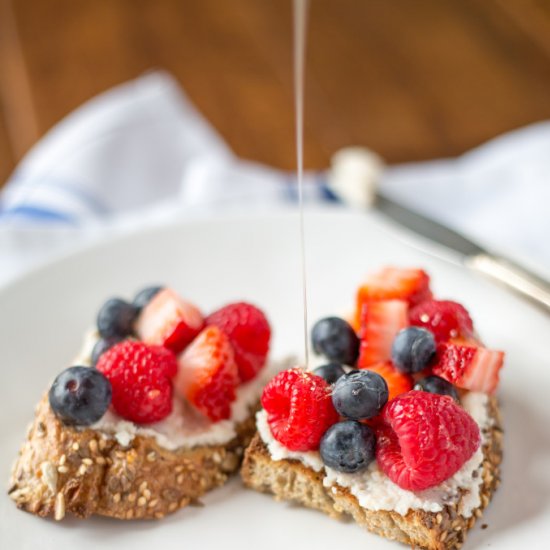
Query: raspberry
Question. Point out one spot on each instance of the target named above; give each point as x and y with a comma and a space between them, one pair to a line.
208, 375
424, 440
248, 331
444, 318
140, 375
299, 407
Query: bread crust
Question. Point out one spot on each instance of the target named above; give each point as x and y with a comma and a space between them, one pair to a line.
445, 530
62, 470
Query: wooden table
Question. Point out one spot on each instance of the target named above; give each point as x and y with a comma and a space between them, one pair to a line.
413, 79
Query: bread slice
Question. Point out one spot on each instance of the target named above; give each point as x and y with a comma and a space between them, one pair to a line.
291, 480
63, 470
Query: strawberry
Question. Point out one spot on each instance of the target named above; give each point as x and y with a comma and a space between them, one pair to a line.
392, 283
380, 322
207, 374
170, 321
397, 382
444, 318
469, 367
249, 333
424, 439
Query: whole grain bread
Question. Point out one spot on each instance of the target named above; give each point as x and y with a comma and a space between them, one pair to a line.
292, 481
63, 470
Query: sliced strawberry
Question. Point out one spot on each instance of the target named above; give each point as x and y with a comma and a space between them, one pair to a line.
380, 322
249, 333
392, 283
208, 375
470, 367
398, 382
169, 321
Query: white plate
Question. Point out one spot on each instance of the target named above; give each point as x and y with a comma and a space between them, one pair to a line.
43, 316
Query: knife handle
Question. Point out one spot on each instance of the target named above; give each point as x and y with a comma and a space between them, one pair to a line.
514, 277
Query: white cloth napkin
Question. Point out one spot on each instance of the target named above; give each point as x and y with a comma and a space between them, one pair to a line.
141, 154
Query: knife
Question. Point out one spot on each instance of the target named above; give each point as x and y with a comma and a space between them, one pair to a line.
477, 259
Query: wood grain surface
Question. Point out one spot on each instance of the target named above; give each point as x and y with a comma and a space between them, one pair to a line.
413, 79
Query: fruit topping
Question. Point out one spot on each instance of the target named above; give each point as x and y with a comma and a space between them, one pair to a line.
144, 296
435, 384
360, 394
249, 333
169, 321
348, 446
425, 438
140, 375
398, 382
469, 367
116, 319
208, 375
335, 339
443, 318
330, 372
101, 346
392, 283
380, 323
299, 409
413, 349
80, 396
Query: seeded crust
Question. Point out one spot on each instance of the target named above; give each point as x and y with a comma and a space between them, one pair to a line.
446, 530
61, 470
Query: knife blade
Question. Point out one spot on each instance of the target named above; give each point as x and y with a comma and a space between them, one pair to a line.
473, 256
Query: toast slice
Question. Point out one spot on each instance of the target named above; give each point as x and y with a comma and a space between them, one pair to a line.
63, 470
291, 480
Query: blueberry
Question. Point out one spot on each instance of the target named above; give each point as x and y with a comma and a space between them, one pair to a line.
413, 349
435, 384
80, 396
144, 296
360, 394
116, 319
335, 339
330, 372
101, 346
348, 446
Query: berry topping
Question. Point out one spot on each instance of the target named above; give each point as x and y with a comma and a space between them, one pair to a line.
425, 438
330, 372
392, 283
248, 331
169, 321
360, 394
299, 409
444, 318
144, 296
208, 374
398, 382
413, 349
335, 339
469, 367
116, 319
348, 446
380, 323
435, 384
80, 396
140, 375
101, 346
